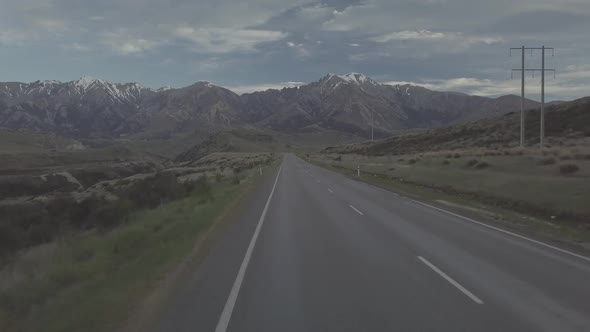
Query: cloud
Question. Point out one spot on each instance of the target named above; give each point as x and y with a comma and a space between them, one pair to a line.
77, 47
12, 37
409, 35
222, 40
315, 12
427, 35
300, 49
51, 25
239, 43
263, 87
123, 42
572, 84
208, 65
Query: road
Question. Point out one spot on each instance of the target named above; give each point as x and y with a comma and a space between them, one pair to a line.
312, 250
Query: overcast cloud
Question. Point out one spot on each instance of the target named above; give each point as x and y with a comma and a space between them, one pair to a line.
459, 45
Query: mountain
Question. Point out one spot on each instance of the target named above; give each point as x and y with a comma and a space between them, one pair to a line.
91, 107
352, 103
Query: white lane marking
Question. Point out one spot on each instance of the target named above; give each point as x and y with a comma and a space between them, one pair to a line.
505, 231
357, 211
228, 309
318, 181
451, 281
330, 190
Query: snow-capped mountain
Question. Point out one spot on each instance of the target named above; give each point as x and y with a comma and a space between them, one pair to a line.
84, 87
355, 102
92, 107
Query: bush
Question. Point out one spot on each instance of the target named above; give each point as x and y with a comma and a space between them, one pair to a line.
445, 162
547, 161
153, 191
482, 164
412, 161
339, 158
471, 163
235, 180
218, 177
456, 156
567, 169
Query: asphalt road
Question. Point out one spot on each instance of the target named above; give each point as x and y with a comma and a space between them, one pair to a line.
314, 251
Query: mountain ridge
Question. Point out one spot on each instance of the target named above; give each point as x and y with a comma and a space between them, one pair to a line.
351, 103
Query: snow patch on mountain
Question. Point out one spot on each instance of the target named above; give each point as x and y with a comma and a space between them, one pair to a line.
85, 82
334, 80
356, 78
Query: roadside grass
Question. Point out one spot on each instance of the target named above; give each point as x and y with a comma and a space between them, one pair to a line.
92, 281
515, 190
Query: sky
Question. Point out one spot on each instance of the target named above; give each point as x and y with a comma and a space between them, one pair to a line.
250, 45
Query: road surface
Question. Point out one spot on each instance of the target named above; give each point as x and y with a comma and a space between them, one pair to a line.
312, 250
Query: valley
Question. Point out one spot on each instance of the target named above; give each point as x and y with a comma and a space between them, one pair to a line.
103, 183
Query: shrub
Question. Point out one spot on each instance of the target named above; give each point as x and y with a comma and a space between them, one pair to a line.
218, 177
339, 158
445, 162
235, 180
547, 161
567, 169
471, 163
152, 191
456, 156
412, 161
482, 164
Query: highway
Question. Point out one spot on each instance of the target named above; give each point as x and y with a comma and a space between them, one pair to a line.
311, 250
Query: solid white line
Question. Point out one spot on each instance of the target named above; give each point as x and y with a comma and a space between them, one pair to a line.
506, 232
451, 281
330, 190
357, 211
228, 309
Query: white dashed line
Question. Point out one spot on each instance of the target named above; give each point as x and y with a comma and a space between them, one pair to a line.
330, 190
357, 211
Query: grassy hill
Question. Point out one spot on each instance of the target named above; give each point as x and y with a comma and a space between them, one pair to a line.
565, 122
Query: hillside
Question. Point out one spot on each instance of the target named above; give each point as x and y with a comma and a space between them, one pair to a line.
563, 121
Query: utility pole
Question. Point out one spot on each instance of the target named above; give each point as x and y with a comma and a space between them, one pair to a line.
543, 70
372, 124
522, 100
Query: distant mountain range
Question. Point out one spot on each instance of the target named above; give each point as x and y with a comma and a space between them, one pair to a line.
352, 103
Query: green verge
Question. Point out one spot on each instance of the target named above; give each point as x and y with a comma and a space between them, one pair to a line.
469, 205
93, 281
